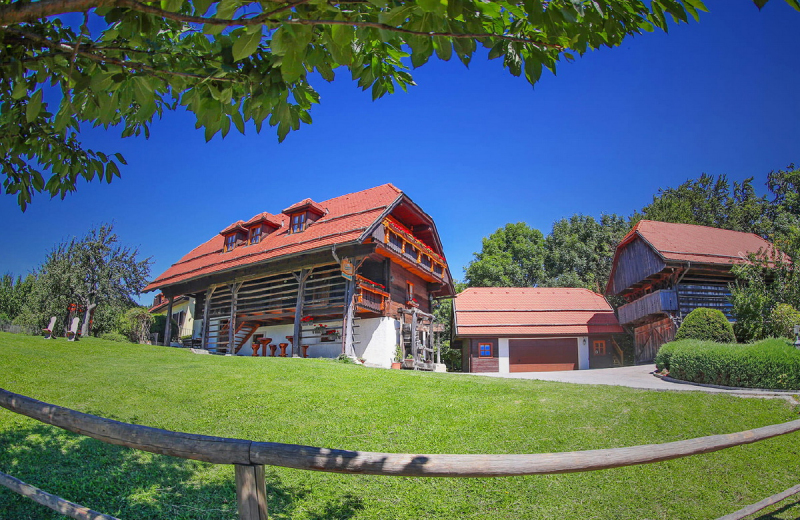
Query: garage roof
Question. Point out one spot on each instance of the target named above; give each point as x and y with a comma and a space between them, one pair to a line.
532, 311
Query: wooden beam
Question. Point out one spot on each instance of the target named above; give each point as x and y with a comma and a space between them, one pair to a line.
232, 323
206, 305
168, 326
297, 333
251, 492
56, 503
348, 315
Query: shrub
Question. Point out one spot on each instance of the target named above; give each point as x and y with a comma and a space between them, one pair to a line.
770, 364
114, 336
135, 324
782, 320
706, 325
665, 355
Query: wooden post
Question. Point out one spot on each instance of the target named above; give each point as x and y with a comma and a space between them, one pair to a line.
251, 492
232, 323
168, 326
414, 345
347, 318
298, 307
206, 307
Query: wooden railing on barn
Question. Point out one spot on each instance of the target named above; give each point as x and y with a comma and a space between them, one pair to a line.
250, 457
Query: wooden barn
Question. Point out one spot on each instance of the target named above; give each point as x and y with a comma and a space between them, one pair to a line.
355, 274
513, 329
666, 270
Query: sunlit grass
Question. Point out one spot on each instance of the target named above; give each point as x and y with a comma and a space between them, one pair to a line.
323, 403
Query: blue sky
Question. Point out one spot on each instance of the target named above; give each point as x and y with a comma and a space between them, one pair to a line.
475, 148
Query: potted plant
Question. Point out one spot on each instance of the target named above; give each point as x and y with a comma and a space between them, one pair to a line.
398, 356
408, 362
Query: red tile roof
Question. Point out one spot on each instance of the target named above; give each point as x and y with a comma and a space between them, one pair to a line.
701, 244
306, 204
267, 218
348, 216
515, 311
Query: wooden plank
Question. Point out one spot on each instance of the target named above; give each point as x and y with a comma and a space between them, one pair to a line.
56, 503
206, 326
168, 325
220, 450
298, 310
758, 506
251, 492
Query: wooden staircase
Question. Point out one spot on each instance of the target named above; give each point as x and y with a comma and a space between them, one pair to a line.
244, 331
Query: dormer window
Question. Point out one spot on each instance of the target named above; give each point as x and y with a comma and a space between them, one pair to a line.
298, 222
230, 242
302, 214
255, 235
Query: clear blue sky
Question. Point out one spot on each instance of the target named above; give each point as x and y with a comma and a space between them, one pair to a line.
475, 148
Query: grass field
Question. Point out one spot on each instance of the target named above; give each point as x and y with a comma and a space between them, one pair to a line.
329, 404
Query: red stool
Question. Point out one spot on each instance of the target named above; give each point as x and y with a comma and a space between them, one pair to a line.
272, 349
305, 350
261, 346
283, 348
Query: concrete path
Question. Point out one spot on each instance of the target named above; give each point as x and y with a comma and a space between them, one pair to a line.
632, 377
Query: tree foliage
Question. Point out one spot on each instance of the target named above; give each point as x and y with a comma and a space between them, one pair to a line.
233, 62
579, 251
93, 271
709, 201
512, 256
13, 294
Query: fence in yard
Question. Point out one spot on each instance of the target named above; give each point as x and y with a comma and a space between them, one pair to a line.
250, 457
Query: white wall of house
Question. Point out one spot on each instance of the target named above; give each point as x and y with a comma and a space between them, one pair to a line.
502, 354
583, 353
377, 339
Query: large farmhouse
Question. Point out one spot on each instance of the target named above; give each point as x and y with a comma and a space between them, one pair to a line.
513, 329
667, 270
355, 274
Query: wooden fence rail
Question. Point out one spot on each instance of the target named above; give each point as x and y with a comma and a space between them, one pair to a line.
254, 455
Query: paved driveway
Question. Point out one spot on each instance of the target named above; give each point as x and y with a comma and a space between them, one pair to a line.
633, 377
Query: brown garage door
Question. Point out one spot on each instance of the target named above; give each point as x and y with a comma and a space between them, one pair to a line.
543, 355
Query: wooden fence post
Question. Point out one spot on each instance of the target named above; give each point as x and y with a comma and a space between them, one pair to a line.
251, 492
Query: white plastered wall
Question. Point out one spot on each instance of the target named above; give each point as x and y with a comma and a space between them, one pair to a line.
502, 354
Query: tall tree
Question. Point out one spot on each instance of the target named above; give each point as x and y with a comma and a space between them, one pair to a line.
93, 271
231, 62
579, 251
512, 256
710, 201
13, 294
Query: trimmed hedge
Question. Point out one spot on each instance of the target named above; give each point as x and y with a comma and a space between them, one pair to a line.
664, 355
768, 364
706, 324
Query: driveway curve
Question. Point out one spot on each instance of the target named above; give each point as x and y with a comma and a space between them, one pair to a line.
640, 376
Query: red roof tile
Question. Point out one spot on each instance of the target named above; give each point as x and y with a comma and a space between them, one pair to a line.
306, 204
266, 218
514, 311
347, 218
701, 244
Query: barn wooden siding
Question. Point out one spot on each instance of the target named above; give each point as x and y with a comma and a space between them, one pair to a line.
635, 263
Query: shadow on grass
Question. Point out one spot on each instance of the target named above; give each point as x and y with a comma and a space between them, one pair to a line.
131, 484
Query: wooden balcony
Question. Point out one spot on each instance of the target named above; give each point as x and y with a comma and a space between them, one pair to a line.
412, 252
658, 302
370, 296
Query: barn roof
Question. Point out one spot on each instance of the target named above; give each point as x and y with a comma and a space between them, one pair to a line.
534, 311
692, 243
346, 220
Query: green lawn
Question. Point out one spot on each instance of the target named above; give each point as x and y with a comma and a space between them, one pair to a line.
328, 404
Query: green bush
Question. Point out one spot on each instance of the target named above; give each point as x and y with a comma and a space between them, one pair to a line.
114, 336
706, 325
665, 355
770, 364
782, 320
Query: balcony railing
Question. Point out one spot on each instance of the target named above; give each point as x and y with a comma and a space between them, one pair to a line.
400, 240
370, 296
658, 302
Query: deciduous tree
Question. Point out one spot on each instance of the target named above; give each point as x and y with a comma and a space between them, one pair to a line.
64, 63
512, 256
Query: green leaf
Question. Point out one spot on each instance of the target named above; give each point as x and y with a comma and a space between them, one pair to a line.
342, 34
533, 70
760, 3
443, 47
246, 44
20, 90
794, 3
171, 5
429, 6
34, 106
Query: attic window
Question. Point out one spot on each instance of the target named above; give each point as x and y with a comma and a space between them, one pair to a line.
255, 235
299, 221
230, 242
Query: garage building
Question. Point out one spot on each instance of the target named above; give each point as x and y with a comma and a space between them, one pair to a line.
510, 329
